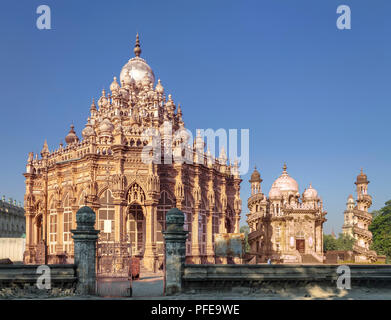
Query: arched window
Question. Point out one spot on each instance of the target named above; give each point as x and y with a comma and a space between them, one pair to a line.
67, 223
164, 205
106, 221
52, 229
136, 227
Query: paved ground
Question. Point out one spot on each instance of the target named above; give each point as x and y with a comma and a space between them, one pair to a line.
150, 287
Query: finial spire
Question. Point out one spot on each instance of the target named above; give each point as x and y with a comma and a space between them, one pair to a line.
284, 167
137, 49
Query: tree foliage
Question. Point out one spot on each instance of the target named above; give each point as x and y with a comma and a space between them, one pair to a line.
343, 242
245, 230
381, 230
329, 242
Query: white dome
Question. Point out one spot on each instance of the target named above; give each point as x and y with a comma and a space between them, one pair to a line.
310, 193
138, 69
275, 193
285, 183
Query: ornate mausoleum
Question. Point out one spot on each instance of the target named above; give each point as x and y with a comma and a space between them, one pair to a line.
105, 170
357, 221
285, 227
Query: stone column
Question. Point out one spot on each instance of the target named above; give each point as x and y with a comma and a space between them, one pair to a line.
175, 255
150, 243
195, 247
60, 231
209, 237
85, 237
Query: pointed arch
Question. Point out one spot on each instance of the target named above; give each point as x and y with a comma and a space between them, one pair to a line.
106, 215
135, 193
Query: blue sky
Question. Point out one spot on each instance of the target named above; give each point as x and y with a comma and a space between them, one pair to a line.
311, 95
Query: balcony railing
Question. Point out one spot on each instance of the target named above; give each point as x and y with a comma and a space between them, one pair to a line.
362, 232
254, 234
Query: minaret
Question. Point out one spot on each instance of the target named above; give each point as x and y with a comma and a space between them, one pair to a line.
255, 182
361, 221
347, 227
363, 200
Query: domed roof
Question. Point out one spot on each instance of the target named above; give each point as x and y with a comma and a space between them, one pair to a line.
71, 136
286, 183
106, 126
275, 193
362, 178
256, 176
310, 193
350, 199
114, 85
88, 130
137, 67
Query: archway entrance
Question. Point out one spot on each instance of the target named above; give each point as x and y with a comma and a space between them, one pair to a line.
136, 229
300, 245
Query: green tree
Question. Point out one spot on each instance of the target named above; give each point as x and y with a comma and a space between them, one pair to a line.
345, 242
246, 231
381, 230
329, 242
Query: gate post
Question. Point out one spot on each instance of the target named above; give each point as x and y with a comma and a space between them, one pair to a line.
175, 251
85, 237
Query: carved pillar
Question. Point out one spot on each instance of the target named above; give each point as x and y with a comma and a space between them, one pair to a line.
85, 237
60, 230
150, 256
175, 255
195, 246
209, 236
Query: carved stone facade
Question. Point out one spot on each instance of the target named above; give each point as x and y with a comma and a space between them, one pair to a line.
12, 221
285, 227
357, 221
107, 171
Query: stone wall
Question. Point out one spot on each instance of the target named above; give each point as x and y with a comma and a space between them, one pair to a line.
62, 276
223, 278
12, 248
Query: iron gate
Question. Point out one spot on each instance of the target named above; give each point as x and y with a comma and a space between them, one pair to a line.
113, 268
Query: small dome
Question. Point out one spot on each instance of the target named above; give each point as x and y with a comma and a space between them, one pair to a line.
159, 88
285, 183
103, 102
275, 193
362, 178
350, 199
256, 176
114, 85
71, 136
106, 126
127, 79
88, 131
310, 193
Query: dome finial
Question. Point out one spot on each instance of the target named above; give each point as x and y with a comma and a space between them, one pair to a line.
284, 167
137, 49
